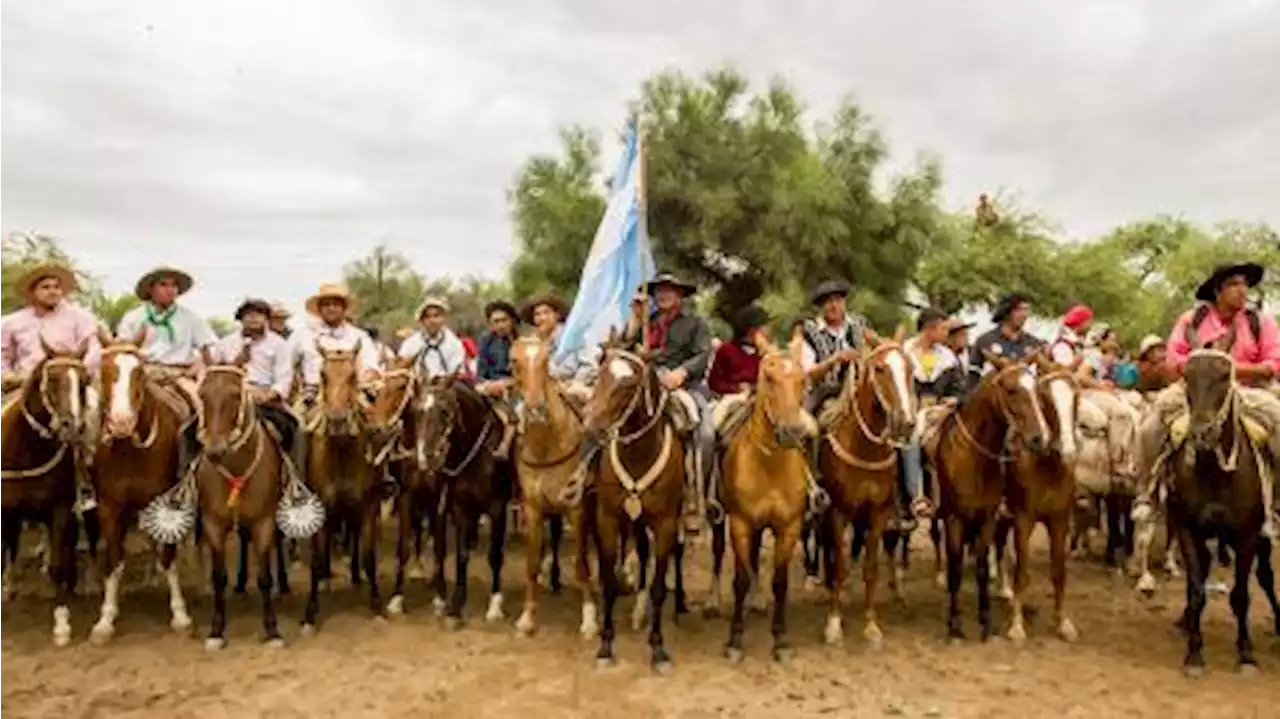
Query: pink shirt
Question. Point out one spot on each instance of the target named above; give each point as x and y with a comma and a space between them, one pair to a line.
1264, 349
65, 328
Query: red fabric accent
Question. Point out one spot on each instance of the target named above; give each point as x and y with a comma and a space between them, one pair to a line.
658, 331
1077, 316
732, 367
469, 346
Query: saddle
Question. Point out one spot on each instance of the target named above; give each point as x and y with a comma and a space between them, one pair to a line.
165, 386
730, 416
1253, 429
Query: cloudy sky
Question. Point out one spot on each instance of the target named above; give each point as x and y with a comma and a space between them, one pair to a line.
261, 144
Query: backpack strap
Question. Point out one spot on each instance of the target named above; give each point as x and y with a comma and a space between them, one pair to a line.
1202, 311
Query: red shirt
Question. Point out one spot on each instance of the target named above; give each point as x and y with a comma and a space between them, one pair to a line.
734, 365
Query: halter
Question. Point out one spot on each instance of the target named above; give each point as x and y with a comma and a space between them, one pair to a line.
441, 451
849, 396
246, 416
768, 412
394, 448
1003, 405
1229, 412
1071, 379
75, 367
320, 424
105, 438
614, 431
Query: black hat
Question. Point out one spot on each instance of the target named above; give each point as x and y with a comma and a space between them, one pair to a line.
253, 304
670, 280
828, 288
750, 317
1208, 290
1007, 305
557, 305
930, 316
501, 306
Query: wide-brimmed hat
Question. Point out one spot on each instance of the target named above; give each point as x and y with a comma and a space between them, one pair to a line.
29, 279
1149, 343
143, 288
431, 301
957, 325
670, 280
278, 310
750, 317
253, 304
332, 291
501, 306
557, 305
1006, 306
1208, 290
827, 289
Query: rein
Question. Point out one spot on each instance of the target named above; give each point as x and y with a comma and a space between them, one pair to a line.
1003, 406
394, 448
246, 427
1229, 412
860, 374
615, 438
46, 432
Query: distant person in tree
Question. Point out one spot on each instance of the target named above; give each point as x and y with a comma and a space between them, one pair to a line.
985, 213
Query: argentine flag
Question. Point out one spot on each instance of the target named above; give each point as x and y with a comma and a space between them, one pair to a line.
619, 261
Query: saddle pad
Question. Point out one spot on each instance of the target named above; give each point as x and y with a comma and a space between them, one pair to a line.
730, 417
173, 397
1253, 429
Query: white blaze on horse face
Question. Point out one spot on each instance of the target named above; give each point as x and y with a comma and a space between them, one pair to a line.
1028, 383
531, 351
621, 369
1064, 405
897, 365
428, 402
73, 386
120, 406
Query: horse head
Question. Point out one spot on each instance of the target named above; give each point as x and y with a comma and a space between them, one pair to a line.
1059, 391
885, 370
386, 416
225, 408
123, 381
60, 392
1210, 382
340, 391
625, 379
435, 415
780, 392
530, 365
1017, 398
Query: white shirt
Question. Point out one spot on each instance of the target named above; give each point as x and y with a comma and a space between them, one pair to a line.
343, 337
270, 359
1063, 349
809, 358
190, 334
442, 354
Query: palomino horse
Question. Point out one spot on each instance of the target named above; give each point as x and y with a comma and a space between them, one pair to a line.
549, 467
390, 436
1216, 491
969, 462
640, 483
338, 472
858, 466
239, 474
455, 437
765, 486
1041, 488
136, 461
42, 430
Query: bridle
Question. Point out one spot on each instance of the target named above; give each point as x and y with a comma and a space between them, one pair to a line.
75, 369
246, 427
849, 395
1063, 375
448, 421
644, 390
781, 355
1002, 404
1228, 412
321, 423
393, 449
106, 438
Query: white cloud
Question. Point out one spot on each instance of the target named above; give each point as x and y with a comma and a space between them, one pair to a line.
262, 145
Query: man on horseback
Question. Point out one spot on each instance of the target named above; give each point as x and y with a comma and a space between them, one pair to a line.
575, 372
1008, 338
173, 337
1154, 373
1251, 339
1067, 349
47, 314
333, 306
437, 349
831, 341
493, 366
936, 369
270, 369
279, 320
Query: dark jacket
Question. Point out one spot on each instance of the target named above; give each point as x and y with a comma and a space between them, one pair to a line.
493, 357
687, 345
996, 342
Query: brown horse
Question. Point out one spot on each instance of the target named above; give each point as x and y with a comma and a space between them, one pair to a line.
969, 462
338, 472
1216, 492
549, 468
42, 430
858, 466
640, 483
765, 486
239, 474
1042, 488
136, 461
455, 437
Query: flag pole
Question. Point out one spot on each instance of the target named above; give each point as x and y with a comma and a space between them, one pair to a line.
642, 201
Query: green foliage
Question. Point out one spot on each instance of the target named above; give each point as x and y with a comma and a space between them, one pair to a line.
222, 326
19, 252
112, 308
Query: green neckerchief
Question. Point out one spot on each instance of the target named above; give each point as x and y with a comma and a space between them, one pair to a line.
162, 321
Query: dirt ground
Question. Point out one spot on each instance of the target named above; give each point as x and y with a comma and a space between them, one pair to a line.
1126, 663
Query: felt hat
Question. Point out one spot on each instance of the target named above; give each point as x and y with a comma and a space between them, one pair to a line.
145, 283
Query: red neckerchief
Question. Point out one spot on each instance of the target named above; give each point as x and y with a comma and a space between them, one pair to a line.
661, 326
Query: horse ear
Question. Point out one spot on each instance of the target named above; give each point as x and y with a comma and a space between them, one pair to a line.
104, 337
83, 349
796, 349
206, 356
870, 337
243, 358
44, 345
997, 361
899, 333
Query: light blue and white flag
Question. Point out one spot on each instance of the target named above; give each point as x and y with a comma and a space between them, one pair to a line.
619, 261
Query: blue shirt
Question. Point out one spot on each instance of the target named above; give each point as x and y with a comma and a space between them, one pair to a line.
493, 360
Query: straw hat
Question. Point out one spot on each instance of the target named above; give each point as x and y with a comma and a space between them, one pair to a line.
143, 288
557, 305
1149, 343
333, 291
431, 301
278, 311
29, 279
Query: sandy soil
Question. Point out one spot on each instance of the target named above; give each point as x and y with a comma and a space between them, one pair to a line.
1126, 664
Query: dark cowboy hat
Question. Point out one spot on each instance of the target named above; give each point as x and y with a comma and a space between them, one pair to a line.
749, 318
557, 305
143, 288
1006, 306
670, 280
500, 306
826, 289
1208, 290
253, 304
930, 316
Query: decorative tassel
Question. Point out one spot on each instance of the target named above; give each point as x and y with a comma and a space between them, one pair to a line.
237, 484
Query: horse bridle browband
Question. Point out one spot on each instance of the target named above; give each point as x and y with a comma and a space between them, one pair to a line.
55, 420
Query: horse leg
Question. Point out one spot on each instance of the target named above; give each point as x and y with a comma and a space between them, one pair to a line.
897, 573
1195, 556
113, 557
1023, 525
682, 606
557, 535
1267, 579
746, 543
461, 560
320, 542
607, 541
242, 574
955, 529
937, 538
836, 570
370, 525
812, 558
497, 542
871, 574
1058, 526
1004, 528
12, 534
1144, 534
712, 606
282, 564
92, 534
439, 525
404, 529
982, 573
181, 620
784, 546
590, 627
353, 545
215, 535
640, 610
665, 540
263, 535
62, 550
1245, 548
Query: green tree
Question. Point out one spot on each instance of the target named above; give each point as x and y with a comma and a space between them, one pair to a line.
19, 252
222, 326
387, 286
112, 308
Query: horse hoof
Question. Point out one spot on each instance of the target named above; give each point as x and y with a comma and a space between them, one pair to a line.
812, 582
834, 633
307, 630
1067, 630
735, 655
784, 654
452, 624
711, 611
395, 607
215, 644
1018, 635
940, 580
495, 613
590, 627
606, 662
438, 605
61, 640
1193, 671
1248, 669
180, 623
379, 619
101, 634
526, 625
274, 643
873, 635
663, 667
